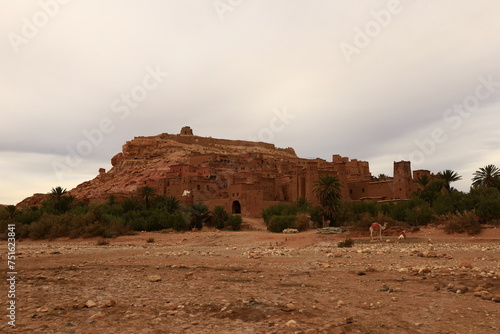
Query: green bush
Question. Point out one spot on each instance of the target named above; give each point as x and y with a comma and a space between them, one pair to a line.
317, 216
278, 223
220, 216
179, 221
363, 223
356, 208
282, 209
489, 209
233, 222
419, 215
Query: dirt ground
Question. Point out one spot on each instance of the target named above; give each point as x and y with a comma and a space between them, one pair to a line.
258, 282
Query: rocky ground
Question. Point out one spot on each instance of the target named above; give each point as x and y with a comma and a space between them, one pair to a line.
258, 282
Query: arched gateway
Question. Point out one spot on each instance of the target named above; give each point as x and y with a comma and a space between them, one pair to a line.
236, 208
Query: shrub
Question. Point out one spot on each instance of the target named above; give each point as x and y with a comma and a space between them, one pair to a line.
234, 222
179, 221
348, 242
220, 216
302, 222
357, 208
317, 216
278, 223
281, 209
461, 223
489, 208
419, 215
41, 228
102, 242
364, 222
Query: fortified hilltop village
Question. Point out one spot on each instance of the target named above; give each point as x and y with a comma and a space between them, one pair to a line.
242, 176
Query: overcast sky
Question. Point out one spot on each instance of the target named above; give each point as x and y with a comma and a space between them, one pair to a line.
381, 81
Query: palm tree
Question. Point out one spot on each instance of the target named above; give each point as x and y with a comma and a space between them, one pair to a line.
58, 192
448, 176
172, 204
423, 180
488, 176
220, 216
61, 203
147, 193
11, 211
302, 204
199, 215
329, 194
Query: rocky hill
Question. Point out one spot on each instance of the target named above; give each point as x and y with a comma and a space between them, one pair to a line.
147, 159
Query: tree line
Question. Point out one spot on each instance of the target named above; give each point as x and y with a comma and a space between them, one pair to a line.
435, 202
61, 215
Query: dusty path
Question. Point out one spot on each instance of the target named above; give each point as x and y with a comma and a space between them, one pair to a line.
258, 282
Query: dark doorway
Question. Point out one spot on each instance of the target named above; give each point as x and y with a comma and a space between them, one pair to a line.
236, 207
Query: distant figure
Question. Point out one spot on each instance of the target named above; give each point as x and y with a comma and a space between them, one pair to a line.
402, 235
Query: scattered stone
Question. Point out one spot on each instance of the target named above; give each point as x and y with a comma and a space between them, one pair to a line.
383, 288
290, 231
90, 304
331, 230
154, 278
42, 309
291, 323
430, 253
485, 295
110, 303
99, 315
467, 265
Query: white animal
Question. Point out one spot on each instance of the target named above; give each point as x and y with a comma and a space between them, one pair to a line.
376, 227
